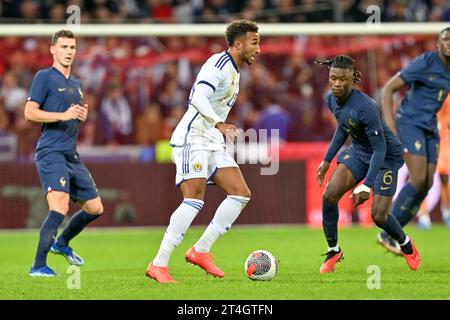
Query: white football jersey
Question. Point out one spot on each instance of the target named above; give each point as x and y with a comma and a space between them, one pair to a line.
221, 74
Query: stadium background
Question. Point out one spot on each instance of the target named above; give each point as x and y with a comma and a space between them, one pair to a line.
137, 88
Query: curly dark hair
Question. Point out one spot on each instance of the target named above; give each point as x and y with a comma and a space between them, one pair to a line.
239, 28
343, 62
64, 33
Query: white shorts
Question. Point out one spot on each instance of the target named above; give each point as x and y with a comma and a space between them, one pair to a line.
199, 163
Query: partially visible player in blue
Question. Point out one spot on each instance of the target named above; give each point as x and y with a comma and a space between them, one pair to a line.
56, 101
415, 124
374, 157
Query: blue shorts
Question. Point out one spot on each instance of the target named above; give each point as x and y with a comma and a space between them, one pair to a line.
57, 173
358, 163
418, 142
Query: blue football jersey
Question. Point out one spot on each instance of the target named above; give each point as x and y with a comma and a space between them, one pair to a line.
360, 117
428, 79
56, 93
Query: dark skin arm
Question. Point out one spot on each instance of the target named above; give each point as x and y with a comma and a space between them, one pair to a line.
321, 171
387, 101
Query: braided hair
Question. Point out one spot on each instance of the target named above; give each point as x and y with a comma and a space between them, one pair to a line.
342, 62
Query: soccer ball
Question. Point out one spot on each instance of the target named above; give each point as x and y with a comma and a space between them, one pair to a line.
261, 265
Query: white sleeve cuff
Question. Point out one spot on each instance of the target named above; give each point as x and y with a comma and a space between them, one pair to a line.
361, 188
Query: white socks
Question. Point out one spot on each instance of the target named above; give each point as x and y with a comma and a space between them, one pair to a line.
180, 221
182, 217
404, 243
225, 215
335, 248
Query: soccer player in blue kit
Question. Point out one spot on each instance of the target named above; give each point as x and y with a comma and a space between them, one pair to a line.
415, 124
374, 156
55, 100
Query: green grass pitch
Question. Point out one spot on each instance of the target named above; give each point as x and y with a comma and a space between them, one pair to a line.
116, 260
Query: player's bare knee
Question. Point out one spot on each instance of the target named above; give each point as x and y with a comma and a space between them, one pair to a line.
330, 195
419, 181
100, 209
58, 201
241, 193
444, 178
379, 217
197, 191
95, 208
64, 210
61, 208
195, 194
193, 189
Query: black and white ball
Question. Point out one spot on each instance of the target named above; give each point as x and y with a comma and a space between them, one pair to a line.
261, 265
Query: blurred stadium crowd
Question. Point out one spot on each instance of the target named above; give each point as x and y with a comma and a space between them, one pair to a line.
205, 11
137, 88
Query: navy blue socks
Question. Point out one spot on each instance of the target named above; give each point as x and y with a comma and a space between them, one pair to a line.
392, 228
47, 236
77, 223
330, 217
407, 203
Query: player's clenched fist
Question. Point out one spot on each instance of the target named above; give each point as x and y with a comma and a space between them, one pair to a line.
76, 112
71, 113
82, 112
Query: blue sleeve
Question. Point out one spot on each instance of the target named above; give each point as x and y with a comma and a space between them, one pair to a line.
371, 118
336, 143
328, 101
414, 70
379, 152
38, 90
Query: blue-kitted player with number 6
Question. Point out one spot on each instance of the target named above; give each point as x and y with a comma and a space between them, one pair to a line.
374, 156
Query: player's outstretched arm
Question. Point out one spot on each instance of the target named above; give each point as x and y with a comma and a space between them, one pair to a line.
33, 113
371, 119
378, 143
387, 100
336, 143
362, 192
339, 138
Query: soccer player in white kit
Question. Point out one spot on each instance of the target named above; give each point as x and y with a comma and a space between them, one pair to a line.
200, 156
